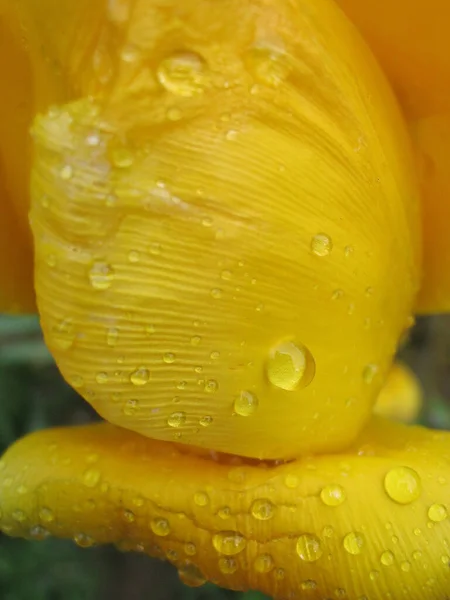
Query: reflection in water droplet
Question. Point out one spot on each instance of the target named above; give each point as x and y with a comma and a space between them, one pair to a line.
191, 575
354, 543
183, 74
206, 421
262, 509
290, 365
333, 495
169, 358
309, 548
190, 549
227, 565
176, 419
245, 404
264, 563
101, 275
140, 376
211, 386
229, 542
403, 485
83, 540
321, 244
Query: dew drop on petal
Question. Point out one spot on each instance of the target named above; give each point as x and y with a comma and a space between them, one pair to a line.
229, 542
262, 509
321, 244
140, 376
309, 548
333, 495
437, 513
176, 419
264, 563
160, 526
403, 485
183, 74
245, 404
354, 542
290, 366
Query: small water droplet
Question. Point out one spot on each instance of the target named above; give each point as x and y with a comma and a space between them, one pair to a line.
176, 419
308, 547
437, 513
155, 249
122, 158
211, 386
369, 373
183, 74
66, 173
140, 376
226, 275
290, 366
229, 542
39, 533
196, 340
169, 358
308, 584
403, 485
262, 509
101, 275
130, 407
112, 335
321, 244
333, 495
83, 540
215, 355
101, 378
134, 256
174, 114
19, 516
354, 542
216, 293
46, 515
206, 421
268, 65
129, 516
190, 549
191, 575
264, 563
63, 334
280, 574
246, 404
224, 512
387, 558
91, 478
405, 566
50, 260
337, 294
227, 565
374, 575
291, 481
201, 498
160, 526
130, 53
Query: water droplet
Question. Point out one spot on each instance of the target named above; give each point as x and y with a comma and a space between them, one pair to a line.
176, 419
19, 516
46, 515
83, 540
445, 560
215, 355
92, 140
354, 542
130, 53
374, 575
191, 575
224, 512
229, 542
291, 481
268, 65
134, 256
112, 335
333, 495
337, 294
321, 244
183, 74
190, 549
264, 563
63, 334
140, 376
309, 548
405, 566
369, 373
122, 158
50, 259
216, 293
169, 358
290, 366
262, 509
101, 378
160, 526
206, 421
280, 574
130, 407
201, 498
308, 584
195, 340
348, 251
437, 513
227, 565
101, 275
403, 485
155, 249
66, 173
387, 558
39, 533
245, 404
211, 386
226, 275
328, 531
150, 329
91, 477
129, 516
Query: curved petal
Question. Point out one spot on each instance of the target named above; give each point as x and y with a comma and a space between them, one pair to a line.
370, 522
410, 40
400, 398
216, 240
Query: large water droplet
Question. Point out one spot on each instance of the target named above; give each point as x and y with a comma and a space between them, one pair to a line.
176, 419
229, 542
290, 366
183, 74
354, 542
245, 404
264, 563
321, 244
309, 548
160, 526
333, 495
140, 376
101, 275
262, 509
437, 513
403, 485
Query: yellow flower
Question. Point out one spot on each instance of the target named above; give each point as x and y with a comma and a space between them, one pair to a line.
224, 208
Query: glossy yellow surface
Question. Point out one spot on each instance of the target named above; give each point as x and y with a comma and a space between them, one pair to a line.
410, 40
224, 208
306, 527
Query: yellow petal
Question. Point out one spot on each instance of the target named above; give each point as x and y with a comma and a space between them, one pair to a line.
216, 242
410, 39
369, 522
400, 398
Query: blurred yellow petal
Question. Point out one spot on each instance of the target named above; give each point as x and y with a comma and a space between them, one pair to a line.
216, 239
371, 522
410, 40
400, 398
